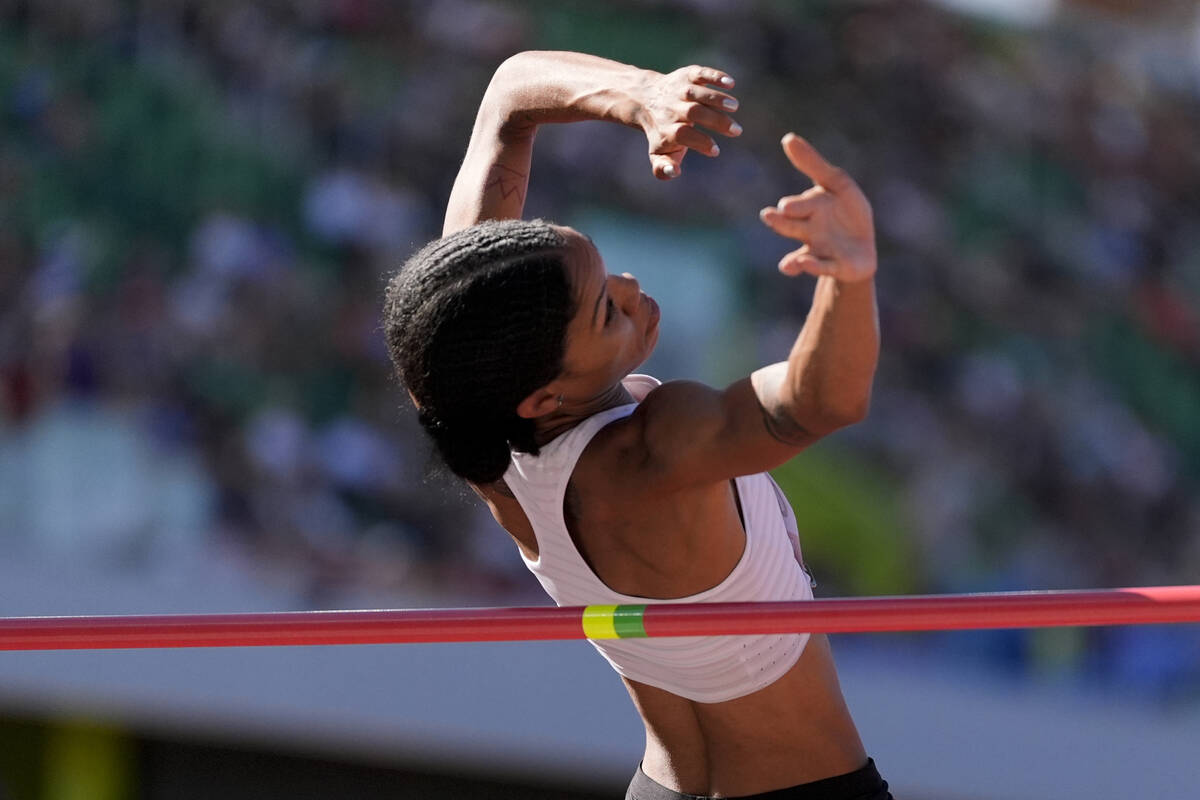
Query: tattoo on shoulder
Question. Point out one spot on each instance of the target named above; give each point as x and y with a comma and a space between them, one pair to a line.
501, 488
508, 182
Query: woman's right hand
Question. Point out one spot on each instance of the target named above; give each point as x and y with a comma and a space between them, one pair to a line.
672, 108
535, 88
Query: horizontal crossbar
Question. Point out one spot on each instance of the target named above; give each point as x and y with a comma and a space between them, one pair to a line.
1133, 606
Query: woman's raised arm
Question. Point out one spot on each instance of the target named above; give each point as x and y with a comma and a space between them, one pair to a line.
694, 434
535, 88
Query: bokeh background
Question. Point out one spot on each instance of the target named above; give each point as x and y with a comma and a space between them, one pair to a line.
200, 203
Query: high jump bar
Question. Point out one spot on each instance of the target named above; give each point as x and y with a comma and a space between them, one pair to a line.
1130, 606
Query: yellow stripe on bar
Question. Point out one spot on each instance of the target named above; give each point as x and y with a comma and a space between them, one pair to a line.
598, 622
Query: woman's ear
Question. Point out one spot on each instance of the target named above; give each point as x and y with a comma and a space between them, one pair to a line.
539, 403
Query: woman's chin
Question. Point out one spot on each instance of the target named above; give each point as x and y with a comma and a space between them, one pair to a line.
651, 343
651, 338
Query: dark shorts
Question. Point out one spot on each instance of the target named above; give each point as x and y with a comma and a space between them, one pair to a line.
862, 784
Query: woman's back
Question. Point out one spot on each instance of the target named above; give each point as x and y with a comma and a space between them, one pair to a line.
795, 731
687, 544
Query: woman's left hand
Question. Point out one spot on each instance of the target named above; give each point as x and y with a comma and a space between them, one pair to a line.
833, 219
672, 108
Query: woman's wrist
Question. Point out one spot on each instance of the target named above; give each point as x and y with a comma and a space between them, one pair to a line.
622, 100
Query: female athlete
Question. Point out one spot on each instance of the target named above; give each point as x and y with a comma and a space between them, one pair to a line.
518, 347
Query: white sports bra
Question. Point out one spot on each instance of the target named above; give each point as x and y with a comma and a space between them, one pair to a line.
705, 669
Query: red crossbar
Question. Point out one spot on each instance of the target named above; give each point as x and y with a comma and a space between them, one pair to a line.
1134, 606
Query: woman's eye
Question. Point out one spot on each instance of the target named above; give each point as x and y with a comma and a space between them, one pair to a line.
608, 314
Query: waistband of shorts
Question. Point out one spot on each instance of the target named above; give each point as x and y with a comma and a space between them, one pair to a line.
863, 782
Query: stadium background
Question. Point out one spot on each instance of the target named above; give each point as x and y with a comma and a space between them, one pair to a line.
200, 202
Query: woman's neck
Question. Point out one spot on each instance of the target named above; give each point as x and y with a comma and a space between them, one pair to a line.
571, 413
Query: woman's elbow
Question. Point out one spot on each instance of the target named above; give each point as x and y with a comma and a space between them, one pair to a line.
832, 418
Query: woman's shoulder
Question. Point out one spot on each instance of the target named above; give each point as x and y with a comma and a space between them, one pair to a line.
686, 434
679, 400
628, 450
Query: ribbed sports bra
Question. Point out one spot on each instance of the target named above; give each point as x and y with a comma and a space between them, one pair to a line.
704, 669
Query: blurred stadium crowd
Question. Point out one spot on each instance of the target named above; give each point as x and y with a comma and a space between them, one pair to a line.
200, 202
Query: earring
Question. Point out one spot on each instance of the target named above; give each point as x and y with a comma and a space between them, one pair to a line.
560, 401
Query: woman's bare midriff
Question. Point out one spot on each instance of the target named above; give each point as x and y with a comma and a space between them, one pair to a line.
794, 731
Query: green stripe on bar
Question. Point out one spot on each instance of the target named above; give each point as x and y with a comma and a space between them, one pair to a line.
629, 621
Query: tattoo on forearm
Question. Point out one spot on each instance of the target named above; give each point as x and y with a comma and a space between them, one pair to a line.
508, 182
776, 419
783, 428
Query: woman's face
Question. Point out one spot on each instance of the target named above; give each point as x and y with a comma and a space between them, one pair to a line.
615, 326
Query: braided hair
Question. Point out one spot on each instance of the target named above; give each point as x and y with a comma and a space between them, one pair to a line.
475, 322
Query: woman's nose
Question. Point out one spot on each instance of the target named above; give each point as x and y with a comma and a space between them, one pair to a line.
628, 286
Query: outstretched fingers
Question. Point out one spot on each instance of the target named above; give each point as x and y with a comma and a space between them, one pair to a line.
666, 166
712, 98
810, 258
805, 260
669, 145
805, 204
805, 158
708, 107
706, 117
793, 227
688, 108
833, 219
698, 74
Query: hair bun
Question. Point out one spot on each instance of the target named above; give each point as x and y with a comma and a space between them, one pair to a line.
473, 448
